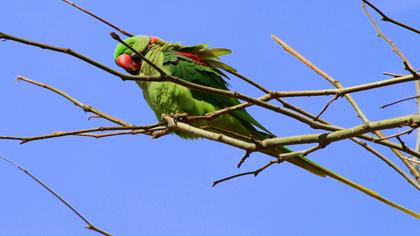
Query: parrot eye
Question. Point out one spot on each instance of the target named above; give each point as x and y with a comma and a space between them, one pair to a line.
135, 57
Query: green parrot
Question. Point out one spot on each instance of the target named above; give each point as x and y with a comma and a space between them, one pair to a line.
200, 64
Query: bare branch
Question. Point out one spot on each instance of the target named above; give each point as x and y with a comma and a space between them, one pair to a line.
392, 74
412, 160
399, 101
78, 56
243, 159
388, 162
89, 225
386, 18
326, 138
326, 106
380, 34
99, 18
279, 160
83, 106
87, 132
398, 134
150, 132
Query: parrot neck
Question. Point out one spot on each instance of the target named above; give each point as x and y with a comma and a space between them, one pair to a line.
155, 55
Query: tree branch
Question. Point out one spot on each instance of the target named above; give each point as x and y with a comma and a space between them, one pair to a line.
99, 18
83, 106
386, 18
88, 132
380, 34
89, 225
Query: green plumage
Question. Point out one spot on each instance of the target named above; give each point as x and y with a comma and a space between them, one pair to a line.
201, 65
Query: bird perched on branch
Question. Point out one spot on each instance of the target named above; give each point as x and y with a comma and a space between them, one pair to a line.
201, 65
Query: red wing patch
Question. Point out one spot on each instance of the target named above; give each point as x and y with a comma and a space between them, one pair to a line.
193, 56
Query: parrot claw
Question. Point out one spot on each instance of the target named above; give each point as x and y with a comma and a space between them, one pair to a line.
175, 116
179, 116
172, 119
257, 142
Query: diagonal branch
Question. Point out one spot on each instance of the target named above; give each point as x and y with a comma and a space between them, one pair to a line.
98, 18
326, 106
89, 225
83, 106
386, 18
394, 47
399, 101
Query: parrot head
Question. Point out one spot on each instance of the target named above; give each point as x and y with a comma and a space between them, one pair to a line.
126, 58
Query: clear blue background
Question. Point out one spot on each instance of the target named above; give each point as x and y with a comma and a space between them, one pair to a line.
133, 185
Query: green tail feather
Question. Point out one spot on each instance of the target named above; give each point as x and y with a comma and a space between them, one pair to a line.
314, 168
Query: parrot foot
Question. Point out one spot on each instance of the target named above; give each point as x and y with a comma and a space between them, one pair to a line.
175, 116
172, 119
257, 142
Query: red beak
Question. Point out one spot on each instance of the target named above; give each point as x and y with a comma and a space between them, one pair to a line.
127, 63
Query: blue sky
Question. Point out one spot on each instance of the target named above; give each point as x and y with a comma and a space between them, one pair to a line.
134, 185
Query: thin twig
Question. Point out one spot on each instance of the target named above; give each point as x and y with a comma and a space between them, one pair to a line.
89, 225
254, 173
84, 132
279, 160
326, 106
302, 153
77, 55
85, 107
243, 159
412, 160
99, 18
131, 132
398, 134
401, 142
388, 162
392, 74
232, 177
399, 101
380, 34
116, 37
386, 18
